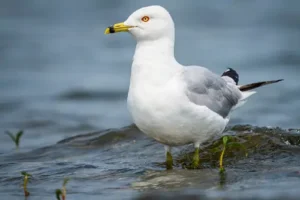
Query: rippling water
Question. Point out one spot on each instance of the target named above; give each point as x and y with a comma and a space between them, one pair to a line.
61, 77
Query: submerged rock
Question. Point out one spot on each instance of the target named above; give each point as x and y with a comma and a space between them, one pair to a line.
256, 142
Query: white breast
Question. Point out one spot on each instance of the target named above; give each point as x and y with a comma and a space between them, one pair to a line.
153, 110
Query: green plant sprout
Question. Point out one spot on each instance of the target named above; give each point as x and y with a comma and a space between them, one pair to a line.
227, 144
63, 191
225, 140
222, 180
16, 138
25, 181
58, 193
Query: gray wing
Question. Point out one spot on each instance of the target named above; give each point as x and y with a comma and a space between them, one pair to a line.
208, 89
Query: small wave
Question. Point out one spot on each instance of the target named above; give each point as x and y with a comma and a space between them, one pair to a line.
81, 95
102, 138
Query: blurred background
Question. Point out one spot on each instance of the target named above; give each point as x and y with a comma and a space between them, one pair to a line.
61, 76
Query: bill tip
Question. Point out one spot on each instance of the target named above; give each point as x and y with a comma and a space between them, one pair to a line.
106, 31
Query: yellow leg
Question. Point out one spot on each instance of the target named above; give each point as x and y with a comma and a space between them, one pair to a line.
169, 158
196, 159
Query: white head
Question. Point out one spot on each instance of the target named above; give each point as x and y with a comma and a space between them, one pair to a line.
148, 23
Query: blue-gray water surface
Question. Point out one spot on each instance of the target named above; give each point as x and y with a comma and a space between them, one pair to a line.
61, 76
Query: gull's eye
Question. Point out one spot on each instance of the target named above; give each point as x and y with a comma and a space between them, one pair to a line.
145, 19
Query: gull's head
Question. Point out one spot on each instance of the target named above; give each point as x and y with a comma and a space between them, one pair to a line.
148, 23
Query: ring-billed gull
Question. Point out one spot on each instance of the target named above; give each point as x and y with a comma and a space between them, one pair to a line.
172, 103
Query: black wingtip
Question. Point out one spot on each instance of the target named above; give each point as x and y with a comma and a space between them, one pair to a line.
258, 84
279, 80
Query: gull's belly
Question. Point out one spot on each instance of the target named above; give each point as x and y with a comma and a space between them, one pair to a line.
171, 119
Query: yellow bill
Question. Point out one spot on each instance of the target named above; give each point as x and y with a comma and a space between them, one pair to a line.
119, 27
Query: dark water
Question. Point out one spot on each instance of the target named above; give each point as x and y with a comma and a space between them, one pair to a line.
61, 77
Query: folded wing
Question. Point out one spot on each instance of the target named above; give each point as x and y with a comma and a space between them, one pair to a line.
208, 89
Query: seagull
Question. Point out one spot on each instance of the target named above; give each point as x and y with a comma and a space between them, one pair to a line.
175, 104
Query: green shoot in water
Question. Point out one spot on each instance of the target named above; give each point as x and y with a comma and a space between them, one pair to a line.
63, 191
25, 181
58, 193
225, 140
16, 138
229, 145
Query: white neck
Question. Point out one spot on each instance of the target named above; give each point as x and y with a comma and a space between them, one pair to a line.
154, 62
158, 49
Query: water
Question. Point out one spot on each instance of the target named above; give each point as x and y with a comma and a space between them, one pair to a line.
61, 77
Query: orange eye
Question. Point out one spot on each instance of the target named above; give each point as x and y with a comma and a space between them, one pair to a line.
145, 19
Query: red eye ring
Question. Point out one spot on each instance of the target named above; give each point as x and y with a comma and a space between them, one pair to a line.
145, 19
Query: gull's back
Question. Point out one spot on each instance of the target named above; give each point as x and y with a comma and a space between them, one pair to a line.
205, 88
